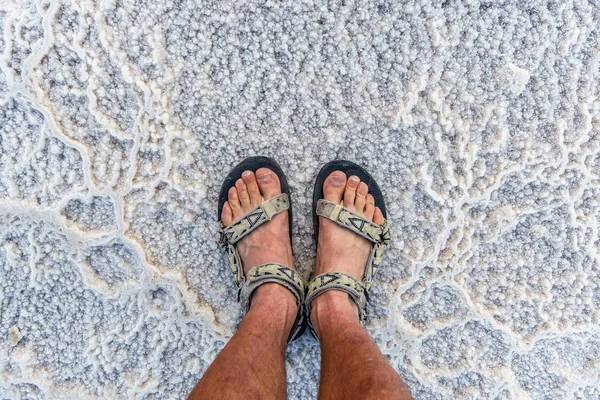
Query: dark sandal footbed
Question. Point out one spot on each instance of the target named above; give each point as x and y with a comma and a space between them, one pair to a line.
349, 168
253, 164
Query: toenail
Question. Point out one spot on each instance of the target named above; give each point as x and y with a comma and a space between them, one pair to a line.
354, 179
264, 176
337, 180
247, 174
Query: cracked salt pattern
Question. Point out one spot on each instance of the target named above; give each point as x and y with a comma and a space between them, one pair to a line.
119, 120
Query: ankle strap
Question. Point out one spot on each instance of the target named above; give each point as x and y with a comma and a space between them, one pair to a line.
286, 277
337, 281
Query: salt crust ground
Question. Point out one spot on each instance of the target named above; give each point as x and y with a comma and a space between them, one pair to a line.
119, 119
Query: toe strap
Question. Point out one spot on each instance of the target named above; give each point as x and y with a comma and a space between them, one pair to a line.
253, 219
276, 273
352, 221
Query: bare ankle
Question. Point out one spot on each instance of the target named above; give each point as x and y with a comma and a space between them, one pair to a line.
332, 309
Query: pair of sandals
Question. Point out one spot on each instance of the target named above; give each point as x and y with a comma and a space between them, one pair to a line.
378, 235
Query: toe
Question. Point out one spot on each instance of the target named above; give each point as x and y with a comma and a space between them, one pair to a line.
242, 190
369, 207
361, 196
350, 192
268, 183
378, 217
227, 214
253, 190
333, 187
233, 200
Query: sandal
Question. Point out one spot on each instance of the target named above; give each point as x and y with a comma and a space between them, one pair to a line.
379, 235
230, 235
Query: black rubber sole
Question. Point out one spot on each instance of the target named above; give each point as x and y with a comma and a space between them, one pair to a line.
253, 164
349, 168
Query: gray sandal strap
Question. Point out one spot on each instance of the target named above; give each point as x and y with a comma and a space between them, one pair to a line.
275, 273
272, 273
349, 220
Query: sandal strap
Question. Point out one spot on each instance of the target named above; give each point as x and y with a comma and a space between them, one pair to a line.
253, 219
275, 273
230, 235
349, 220
337, 281
379, 235
375, 258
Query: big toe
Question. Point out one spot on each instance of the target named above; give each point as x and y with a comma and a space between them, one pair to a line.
333, 187
268, 183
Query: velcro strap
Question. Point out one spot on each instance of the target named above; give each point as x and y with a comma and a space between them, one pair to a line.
275, 273
275, 205
253, 219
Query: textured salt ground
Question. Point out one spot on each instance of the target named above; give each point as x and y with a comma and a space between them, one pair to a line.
119, 120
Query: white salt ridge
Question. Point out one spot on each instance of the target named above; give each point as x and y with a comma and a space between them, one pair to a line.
119, 121
516, 77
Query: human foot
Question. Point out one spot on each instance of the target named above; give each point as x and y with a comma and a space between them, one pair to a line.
270, 242
339, 249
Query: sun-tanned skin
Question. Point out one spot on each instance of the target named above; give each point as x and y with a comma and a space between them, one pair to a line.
252, 364
352, 366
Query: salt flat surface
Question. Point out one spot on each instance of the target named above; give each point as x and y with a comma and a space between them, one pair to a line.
120, 118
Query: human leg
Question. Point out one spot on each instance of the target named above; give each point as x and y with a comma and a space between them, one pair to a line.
252, 364
352, 365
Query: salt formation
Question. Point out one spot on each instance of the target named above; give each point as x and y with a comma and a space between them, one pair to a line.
119, 120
